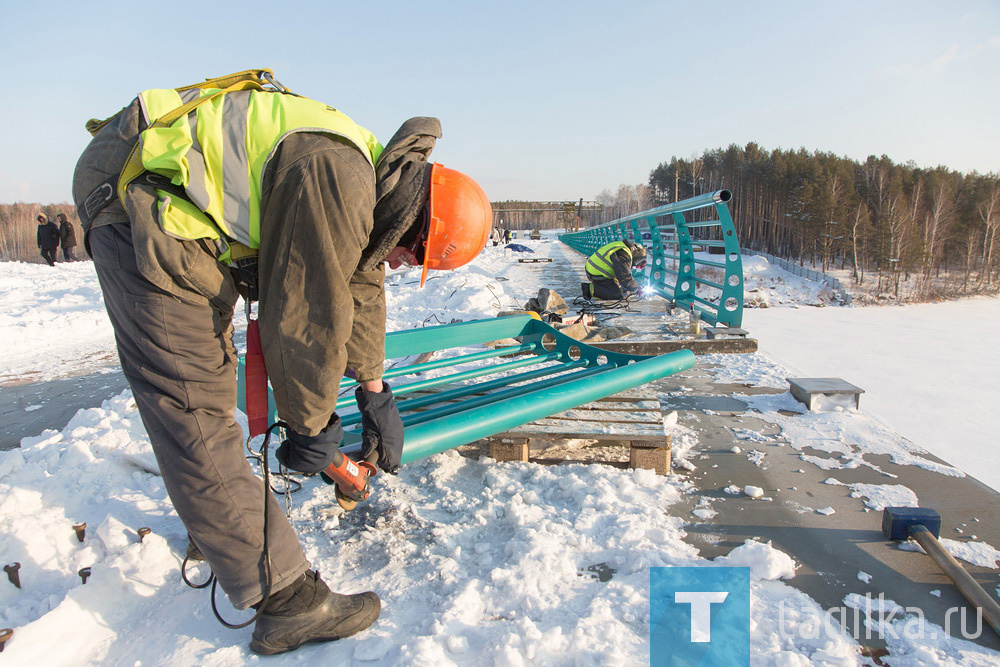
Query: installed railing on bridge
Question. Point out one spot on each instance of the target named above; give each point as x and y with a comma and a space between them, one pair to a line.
675, 270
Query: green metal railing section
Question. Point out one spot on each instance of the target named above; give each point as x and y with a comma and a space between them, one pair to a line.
673, 270
484, 392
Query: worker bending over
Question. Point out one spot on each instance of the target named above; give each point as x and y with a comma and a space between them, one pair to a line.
191, 197
610, 271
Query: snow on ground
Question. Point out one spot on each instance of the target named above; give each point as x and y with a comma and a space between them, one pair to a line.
476, 563
977, 553
52, 322
846, 435
930, 371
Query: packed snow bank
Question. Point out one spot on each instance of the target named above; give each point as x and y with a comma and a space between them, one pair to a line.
766, 286
53, 323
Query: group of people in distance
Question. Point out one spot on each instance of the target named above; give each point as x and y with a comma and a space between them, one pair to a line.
500, 235
51, 237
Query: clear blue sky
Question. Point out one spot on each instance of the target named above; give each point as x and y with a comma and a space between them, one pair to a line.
538, 100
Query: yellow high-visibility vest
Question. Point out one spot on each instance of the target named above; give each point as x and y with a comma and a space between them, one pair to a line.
219, 153
599, 264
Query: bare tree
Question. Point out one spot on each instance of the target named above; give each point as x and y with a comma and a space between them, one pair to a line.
989, 213
859, 225
936, 222
626, 200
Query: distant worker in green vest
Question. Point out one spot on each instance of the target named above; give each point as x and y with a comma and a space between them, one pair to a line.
610, 271
192, 197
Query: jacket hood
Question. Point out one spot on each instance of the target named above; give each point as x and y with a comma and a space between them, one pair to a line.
402, 184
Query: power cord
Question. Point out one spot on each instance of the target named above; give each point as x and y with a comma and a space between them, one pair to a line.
589, 307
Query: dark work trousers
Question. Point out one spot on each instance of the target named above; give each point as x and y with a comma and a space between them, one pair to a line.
605, 288
178, 357
50, 255
69, 255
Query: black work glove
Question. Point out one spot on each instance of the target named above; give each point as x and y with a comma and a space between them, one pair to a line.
382, 427
310, 453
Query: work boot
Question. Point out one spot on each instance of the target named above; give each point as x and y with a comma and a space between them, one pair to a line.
308, 611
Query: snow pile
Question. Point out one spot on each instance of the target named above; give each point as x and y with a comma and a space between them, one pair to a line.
683, 440
53, 323
764, 561
789, 628
914, 641
767, 286
88, 472
513, 562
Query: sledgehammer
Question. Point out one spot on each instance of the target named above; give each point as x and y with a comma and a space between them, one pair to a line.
924, 526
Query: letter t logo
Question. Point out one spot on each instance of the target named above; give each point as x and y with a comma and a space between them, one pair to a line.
701, 611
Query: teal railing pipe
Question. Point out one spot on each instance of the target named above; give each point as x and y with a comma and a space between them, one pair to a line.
422, 440
459, 334
396, 371
411, 404
496, 397
411, 387
669, 228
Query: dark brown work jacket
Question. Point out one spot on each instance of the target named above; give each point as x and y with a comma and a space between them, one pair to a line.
67, 234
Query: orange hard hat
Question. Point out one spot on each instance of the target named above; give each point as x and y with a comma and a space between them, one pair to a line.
460, 220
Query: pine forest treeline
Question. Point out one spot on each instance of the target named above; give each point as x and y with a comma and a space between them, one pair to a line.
886, 222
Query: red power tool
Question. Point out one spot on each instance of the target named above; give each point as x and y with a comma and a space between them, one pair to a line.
351, 478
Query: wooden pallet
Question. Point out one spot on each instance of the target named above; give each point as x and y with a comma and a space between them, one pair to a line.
632, 420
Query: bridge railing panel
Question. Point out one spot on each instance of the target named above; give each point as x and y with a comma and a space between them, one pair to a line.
473, 390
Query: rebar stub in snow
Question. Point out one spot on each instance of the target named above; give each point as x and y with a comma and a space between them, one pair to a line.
12, 573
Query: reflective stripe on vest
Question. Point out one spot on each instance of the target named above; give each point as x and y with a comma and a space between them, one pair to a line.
599, 263
219, 154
